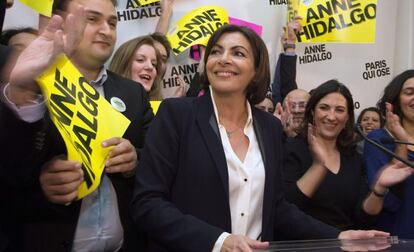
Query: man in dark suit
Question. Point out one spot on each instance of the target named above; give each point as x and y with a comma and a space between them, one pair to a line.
101, 221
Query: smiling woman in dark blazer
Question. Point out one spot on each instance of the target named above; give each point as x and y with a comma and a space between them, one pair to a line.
210, 176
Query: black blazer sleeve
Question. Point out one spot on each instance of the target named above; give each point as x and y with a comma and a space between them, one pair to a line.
287, 74
297, 159
153, 210
284, 78
291, 222
22, 145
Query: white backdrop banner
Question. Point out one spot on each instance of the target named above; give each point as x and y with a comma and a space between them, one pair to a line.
364, 68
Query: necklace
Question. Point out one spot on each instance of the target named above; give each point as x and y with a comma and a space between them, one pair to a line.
230, 132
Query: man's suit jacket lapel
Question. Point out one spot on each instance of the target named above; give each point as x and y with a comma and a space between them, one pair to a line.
111, 88
207, 124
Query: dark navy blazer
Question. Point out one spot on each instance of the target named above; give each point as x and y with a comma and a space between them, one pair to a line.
181, 195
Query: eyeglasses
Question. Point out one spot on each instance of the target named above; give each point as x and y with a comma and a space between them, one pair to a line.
298, 105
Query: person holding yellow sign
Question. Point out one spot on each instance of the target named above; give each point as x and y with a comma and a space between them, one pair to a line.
55, 221
210, 175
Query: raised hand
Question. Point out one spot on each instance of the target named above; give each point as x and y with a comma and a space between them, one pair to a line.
393, 124
293, 28
278, 112
287, 118
393, 173
42, 52
317, 149
166, 5
289, 32
283, 113
166, 12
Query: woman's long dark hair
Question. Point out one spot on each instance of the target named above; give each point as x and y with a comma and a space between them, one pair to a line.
392, 93
257, 88
345, 138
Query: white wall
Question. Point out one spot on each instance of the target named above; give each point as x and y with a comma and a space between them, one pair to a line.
404, 36
348, 60
394, 41
20, 15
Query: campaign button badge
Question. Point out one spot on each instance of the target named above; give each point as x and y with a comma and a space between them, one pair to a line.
118, 104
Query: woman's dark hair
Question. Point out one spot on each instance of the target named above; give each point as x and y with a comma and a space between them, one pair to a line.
345, 138
8, 34
371, 109
257, 88
392, 93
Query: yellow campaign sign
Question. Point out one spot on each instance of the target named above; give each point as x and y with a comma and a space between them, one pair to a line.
293, 6
144, 2
337, 21
155, 105
44, 7
196, 27
83, 118
139, 3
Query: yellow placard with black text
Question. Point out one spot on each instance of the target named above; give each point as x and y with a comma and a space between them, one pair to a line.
337, 21
139, 3
83, 117
196, 27
44, 7
293, 6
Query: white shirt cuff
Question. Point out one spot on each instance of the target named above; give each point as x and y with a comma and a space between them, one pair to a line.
220, 241
29, 113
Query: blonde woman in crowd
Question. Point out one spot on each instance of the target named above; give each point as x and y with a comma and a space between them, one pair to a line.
139, 60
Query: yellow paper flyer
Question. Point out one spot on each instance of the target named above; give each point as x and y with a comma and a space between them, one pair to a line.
139, 3
144, 2
83, 118
196, 27
44, 7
